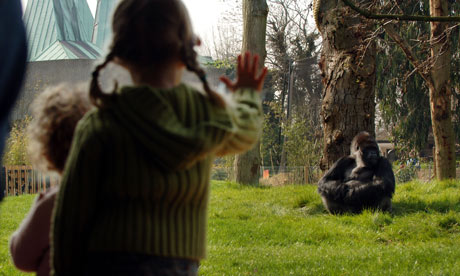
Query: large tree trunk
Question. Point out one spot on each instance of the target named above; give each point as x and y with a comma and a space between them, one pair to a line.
440, 94
247, 165
348, 70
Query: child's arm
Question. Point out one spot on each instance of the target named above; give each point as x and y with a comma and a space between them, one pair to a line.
182, 127
246, 110
236, 128
30, 242
76, 201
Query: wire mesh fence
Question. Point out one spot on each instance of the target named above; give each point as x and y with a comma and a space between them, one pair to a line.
18, 180
274, 176
424, 172
278, 176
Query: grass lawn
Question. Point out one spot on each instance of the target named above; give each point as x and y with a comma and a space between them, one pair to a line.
285, 231
12, 211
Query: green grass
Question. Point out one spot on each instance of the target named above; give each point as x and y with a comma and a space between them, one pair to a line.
285, 231
12, 211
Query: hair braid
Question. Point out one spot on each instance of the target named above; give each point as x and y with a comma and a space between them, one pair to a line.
97, 96
189, 57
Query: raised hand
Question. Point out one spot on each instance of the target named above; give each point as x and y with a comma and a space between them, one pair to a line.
246, 76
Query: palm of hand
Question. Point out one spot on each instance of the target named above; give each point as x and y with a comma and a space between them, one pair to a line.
247, 74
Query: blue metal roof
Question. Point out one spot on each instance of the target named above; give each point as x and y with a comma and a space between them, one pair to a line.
103, 22
69, 50
65, 29
51, 21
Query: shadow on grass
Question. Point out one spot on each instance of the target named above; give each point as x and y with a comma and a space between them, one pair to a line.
400, 208
417, 206
310, 208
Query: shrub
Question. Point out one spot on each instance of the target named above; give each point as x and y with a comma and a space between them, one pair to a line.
16, 145
219, 174
406, 174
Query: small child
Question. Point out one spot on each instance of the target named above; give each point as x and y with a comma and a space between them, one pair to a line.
135, 189
55, 114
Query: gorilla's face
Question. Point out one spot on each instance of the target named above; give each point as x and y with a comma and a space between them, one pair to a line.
370, 156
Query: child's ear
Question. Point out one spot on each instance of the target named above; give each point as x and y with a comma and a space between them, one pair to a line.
180, 64
119, 61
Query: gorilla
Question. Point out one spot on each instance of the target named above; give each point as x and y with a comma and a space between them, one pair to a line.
362, 180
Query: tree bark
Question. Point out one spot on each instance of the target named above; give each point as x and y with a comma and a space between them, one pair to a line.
348, 70
402, 17
441, 94
437, 80
247, 165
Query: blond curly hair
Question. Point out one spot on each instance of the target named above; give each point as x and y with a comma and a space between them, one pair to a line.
55, 114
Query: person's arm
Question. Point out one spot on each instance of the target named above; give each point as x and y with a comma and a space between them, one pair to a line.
76, 201
30, 242
184, 127
245, 110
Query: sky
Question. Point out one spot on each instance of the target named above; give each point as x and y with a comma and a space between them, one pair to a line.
204, 13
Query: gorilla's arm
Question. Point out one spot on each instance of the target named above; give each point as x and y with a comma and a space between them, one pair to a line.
331, 185
385, 176
371, 193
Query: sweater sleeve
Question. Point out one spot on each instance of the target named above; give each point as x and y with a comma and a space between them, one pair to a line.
230, 130
29, 244
76, 201
179, 128
246, 115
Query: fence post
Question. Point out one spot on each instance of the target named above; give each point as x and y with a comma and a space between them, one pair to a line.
3, 182
8, 181
307, 174
16, 181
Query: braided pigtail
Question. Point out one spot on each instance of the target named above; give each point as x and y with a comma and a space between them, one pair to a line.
97, 96
189, 57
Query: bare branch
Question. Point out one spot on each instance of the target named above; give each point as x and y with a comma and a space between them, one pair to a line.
402, 17
405, 47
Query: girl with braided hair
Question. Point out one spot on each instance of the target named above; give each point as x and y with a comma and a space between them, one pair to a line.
135, 189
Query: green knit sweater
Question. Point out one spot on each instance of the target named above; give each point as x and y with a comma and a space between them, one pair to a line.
137, 177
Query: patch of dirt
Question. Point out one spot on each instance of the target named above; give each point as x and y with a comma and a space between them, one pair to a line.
280, 179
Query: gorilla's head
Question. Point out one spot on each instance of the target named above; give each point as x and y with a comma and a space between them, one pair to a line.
365, 149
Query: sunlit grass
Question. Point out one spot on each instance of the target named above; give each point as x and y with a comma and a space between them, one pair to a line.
12, 211
285, 231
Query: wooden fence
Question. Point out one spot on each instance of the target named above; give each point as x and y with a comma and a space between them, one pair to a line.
18, 180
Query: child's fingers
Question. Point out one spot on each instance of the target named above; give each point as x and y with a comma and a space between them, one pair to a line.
247, 61
240, 64
262, 76
255, 64
227, 82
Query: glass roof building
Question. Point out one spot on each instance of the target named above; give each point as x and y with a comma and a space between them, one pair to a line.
66, 29
65, 41
102, 26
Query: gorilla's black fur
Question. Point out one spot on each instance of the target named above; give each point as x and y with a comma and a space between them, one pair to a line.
364, 179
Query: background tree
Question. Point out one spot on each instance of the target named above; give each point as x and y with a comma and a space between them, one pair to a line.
225, 41
247, 165
292, 124
402, 94
293, 58
436, 73
348, 70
